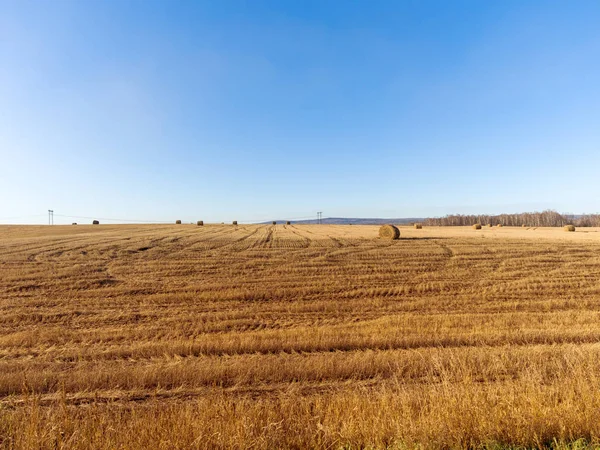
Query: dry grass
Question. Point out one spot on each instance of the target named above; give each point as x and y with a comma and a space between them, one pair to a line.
298, 337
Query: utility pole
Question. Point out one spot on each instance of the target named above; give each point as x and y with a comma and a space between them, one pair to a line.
320, 217
50, 217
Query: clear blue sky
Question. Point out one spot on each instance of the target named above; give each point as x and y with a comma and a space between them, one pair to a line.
254, 110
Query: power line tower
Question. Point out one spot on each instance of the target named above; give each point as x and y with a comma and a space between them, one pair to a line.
50, 217
320, 217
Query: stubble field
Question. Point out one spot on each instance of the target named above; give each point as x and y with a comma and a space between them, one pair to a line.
301, 336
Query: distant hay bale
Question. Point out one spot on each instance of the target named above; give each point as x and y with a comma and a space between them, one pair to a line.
389, 232
95, 222
178, 222
288, 222
489, 225
569, 228
200, 223
274, 222
74, 223
523, 226
499, 225
418, 226
477, 226
234, 222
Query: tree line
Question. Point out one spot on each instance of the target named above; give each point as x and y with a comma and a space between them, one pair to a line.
546, 218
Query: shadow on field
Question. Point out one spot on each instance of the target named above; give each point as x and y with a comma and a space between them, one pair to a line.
427, 238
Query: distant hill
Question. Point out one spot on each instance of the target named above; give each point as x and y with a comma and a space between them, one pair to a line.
353, 221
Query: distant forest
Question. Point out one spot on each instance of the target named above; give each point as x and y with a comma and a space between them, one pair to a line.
535, 219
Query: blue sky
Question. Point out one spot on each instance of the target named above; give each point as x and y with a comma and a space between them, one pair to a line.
254, 110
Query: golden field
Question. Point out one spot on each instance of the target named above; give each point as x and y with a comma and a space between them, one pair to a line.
298, 336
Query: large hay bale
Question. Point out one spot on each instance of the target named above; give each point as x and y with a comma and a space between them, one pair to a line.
200, 223
523, 226
234, 222
477, 226
274, 222
288, 222
74, 223
418, 226
499, 225
389, 232
569, 228
489, 225
95, 222
178, 222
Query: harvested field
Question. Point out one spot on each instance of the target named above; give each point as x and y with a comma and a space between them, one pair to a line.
298, 336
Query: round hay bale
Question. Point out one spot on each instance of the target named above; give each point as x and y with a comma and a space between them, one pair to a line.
523, 226
178, 222
200, 223
274, 222
74, 223
489, 225
569, 228
95, 222
477, 226
418, 226
288, 222
234, 222
499, 225
389, 232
